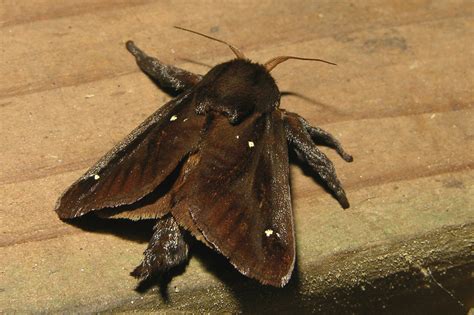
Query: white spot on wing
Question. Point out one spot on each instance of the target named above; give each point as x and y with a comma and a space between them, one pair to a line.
251, 144
268, 232
96, 176
173, 118
237, 137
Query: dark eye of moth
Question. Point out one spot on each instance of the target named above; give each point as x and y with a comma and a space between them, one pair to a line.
213, 163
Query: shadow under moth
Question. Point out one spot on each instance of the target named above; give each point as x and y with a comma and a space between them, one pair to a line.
212, 162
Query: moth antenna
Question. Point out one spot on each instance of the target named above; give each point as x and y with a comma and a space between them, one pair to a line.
272, 63
236, 51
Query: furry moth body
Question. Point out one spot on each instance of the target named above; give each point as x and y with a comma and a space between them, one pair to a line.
212, 162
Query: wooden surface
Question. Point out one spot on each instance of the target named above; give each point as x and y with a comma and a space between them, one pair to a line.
400, 100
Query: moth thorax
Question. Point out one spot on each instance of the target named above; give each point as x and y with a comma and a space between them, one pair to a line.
243, 85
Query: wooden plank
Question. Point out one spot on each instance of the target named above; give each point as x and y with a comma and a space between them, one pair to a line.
400, 100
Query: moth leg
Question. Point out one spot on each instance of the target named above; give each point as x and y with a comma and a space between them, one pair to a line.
300, 139
167, 249
317, 133
171, 79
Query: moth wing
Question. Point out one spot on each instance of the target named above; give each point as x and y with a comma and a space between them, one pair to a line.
138, 164
238, 194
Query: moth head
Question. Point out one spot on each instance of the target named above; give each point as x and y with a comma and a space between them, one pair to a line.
240, 85
269, 65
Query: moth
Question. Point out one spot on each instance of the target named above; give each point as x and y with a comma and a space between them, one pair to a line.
212, 162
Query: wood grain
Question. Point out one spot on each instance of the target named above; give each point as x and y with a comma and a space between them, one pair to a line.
400, 100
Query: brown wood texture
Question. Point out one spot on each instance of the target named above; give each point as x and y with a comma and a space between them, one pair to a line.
400, 100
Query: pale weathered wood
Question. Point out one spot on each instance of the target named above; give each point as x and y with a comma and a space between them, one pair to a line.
400, 100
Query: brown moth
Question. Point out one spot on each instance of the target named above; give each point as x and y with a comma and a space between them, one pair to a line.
213, 162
